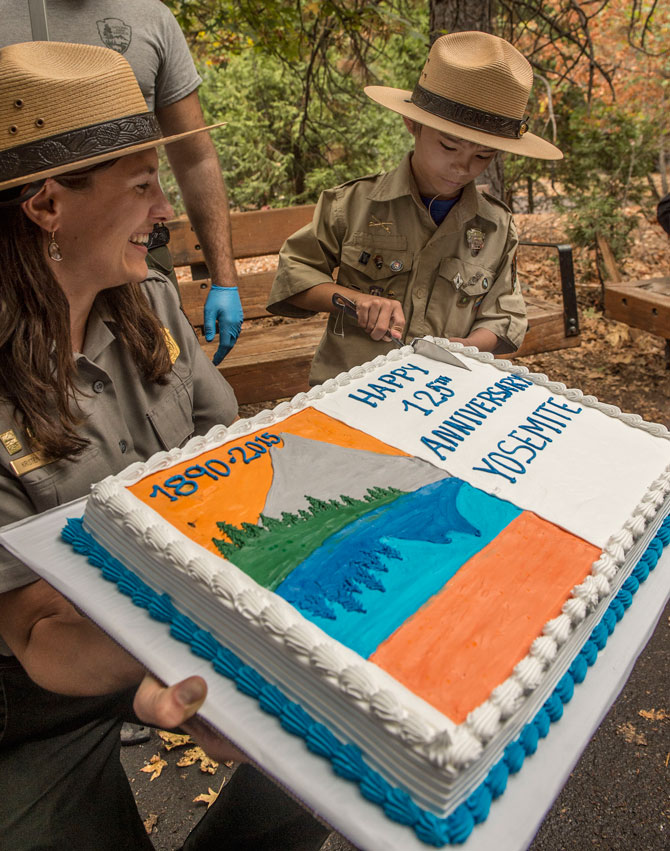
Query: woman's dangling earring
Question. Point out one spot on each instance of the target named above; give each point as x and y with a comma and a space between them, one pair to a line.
54, 248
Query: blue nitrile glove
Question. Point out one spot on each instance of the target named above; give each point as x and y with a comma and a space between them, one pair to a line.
223, 306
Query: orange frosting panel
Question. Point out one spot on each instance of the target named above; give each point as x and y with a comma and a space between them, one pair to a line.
467, 639
240, 495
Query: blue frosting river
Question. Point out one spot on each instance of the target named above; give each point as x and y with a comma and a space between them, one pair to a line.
389, 562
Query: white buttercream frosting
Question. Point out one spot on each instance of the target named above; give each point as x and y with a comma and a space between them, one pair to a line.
448, 746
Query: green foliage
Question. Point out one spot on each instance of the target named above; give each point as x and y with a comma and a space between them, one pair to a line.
288, 77
610, 150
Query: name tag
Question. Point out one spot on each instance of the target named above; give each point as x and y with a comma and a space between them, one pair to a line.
30, 462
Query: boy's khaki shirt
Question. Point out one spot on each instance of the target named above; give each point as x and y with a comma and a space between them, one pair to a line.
379, 233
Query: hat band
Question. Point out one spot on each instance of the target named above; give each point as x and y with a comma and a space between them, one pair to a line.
468, 116
77, 145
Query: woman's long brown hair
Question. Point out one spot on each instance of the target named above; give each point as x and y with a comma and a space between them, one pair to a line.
37, 369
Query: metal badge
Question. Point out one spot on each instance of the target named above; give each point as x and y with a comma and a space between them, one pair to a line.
363, 259
374, 290
171, 343
376, 223
485, 284
458, 281
378, 260
475, 238
11, 442
397, 265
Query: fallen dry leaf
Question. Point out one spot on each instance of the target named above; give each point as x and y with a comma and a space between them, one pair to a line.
630, 734
654, 714
150, 822
155, 766
196, 754
207, 798
174, 740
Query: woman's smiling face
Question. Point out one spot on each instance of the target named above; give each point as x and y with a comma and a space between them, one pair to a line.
443, 164
104, 228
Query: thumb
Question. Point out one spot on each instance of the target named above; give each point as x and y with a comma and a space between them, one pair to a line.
168, 707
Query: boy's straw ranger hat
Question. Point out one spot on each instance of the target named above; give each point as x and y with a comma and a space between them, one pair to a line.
474, 86
66, 107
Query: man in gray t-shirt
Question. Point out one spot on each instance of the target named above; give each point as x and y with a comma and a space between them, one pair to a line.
146, 33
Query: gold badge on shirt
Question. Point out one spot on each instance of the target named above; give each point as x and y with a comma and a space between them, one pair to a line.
11, 442
172, 347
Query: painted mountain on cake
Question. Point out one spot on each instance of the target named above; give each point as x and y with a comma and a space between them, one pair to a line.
347, 556
323, 470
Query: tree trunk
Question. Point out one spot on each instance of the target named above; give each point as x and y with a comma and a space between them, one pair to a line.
447, 16
494, 178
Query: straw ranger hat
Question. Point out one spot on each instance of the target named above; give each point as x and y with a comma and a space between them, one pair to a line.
66, 107
474, 86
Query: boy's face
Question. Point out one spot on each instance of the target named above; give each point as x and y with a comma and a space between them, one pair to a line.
443, 164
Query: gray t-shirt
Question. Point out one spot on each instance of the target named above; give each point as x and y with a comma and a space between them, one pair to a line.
145, 32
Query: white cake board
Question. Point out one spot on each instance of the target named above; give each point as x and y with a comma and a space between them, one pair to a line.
514, 819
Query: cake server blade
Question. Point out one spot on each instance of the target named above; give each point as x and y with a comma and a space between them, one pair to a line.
419, 344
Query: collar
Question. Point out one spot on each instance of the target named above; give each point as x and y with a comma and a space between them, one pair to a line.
400, 182
99, 333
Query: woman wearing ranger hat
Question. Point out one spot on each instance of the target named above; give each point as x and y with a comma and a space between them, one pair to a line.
419, 250
100, 368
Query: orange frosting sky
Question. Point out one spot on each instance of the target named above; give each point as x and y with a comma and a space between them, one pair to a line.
241, 496
467, 639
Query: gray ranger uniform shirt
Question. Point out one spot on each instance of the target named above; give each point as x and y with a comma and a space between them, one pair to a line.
145, 32
127, 419
379, 233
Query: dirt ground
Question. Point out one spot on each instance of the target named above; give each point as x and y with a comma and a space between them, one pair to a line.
621, 366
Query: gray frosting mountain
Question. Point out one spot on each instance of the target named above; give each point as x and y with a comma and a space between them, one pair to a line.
305, 467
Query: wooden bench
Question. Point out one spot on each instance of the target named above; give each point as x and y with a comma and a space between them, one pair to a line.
643, 303
271, 359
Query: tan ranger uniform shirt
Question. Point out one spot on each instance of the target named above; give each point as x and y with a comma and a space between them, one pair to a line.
127, 419
379, 233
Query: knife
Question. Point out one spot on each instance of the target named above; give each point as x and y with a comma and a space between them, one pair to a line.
419, 344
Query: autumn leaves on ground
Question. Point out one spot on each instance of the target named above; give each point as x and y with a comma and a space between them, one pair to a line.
620, 365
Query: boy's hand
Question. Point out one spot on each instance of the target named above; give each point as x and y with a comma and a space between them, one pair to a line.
379, 317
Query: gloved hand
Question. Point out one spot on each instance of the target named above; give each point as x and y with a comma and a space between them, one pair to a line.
223, 306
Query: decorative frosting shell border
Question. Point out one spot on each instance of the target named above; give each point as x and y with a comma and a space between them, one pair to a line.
452, 748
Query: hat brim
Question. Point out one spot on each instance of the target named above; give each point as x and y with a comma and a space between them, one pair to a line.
87, 162
528, 145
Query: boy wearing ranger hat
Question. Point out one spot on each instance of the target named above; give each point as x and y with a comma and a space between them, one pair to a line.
419, 250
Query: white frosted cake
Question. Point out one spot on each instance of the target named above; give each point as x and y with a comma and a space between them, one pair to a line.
410, 565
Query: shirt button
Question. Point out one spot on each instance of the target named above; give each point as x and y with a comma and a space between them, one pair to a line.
123, 445
98, 386
420, 293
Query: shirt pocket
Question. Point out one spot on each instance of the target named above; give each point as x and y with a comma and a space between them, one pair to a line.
379, 265
460, 288
466, 283
65, 479
172, 416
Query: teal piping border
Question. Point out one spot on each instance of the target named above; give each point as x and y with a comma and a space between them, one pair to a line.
347, 760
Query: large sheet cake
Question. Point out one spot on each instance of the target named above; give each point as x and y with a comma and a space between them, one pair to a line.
410, 565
